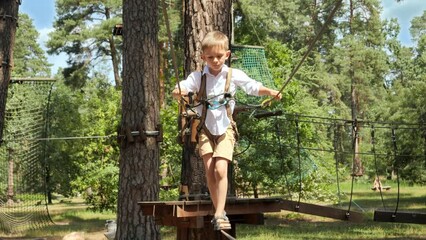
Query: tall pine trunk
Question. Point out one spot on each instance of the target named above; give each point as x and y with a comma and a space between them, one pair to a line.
8, 24
357, 168
139, 159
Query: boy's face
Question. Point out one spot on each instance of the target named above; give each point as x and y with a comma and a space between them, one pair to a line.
215, 57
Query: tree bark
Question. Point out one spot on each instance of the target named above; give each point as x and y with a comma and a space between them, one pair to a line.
139, 159
201, 17
8, 24
357, 168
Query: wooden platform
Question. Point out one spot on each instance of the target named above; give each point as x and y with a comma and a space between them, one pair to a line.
191, 214
400, 216
386, 188
192, 218
167, 213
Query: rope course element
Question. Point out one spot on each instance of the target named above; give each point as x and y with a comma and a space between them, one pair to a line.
396, 167
253, 61
304, 143
312, 44
373, 150
22, 182
227, 235
396, 215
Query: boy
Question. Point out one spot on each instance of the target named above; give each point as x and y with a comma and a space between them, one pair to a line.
217, 136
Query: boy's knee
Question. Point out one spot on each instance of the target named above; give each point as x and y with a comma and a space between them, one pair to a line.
221, 168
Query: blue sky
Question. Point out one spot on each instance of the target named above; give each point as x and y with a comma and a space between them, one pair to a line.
42, 12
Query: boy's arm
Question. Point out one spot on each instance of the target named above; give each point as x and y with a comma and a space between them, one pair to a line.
264, 91
176, 95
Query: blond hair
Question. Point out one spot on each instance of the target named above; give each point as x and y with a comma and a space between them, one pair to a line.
215, 39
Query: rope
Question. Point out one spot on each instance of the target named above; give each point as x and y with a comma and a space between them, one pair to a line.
373, 143
63, 138
227, 235
396, 167
172, 50
335, 142
251, 23
311, 46
354, 139
299, 161
280, 148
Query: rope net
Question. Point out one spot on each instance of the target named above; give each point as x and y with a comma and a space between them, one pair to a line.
252, 60
22, 169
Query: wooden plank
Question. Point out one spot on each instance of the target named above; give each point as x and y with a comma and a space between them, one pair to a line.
401, 217
203, 208
253, 219
323, 211
235, 206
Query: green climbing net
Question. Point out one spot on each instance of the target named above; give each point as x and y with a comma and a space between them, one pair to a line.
252, 60
22, 169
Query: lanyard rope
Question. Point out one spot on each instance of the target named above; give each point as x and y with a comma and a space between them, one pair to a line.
311, 46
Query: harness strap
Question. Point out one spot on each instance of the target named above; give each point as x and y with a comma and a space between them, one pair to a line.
197, 123
203, 95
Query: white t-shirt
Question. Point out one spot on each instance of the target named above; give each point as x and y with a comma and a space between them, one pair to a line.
217, 120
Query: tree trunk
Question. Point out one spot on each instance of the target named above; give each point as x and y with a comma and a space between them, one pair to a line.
139, 159
8, 24
200, 18
357, 169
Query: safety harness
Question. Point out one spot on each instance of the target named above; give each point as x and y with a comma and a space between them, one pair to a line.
191, 122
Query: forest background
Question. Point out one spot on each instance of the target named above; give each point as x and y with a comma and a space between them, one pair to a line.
358, 65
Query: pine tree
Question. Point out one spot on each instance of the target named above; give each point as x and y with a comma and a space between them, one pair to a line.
83, 30
139, 159
8, 24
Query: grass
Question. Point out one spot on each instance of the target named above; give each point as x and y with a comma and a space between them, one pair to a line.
73, 217
69, 216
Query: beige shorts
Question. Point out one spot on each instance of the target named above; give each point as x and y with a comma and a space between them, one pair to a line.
221, 146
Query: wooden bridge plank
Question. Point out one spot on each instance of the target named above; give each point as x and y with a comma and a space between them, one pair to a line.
323, 211
401, 217
235, 206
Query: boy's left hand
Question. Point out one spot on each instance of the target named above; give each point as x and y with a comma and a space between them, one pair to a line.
276, 96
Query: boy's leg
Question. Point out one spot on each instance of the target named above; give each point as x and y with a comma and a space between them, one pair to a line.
221, 178
209, 165
220, 221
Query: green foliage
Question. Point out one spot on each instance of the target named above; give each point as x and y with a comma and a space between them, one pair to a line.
169, 194
99, 185
362, 52
30, 59
171, 151
90, 161
83, 30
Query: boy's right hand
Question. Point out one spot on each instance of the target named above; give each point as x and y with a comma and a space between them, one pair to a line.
176, 94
